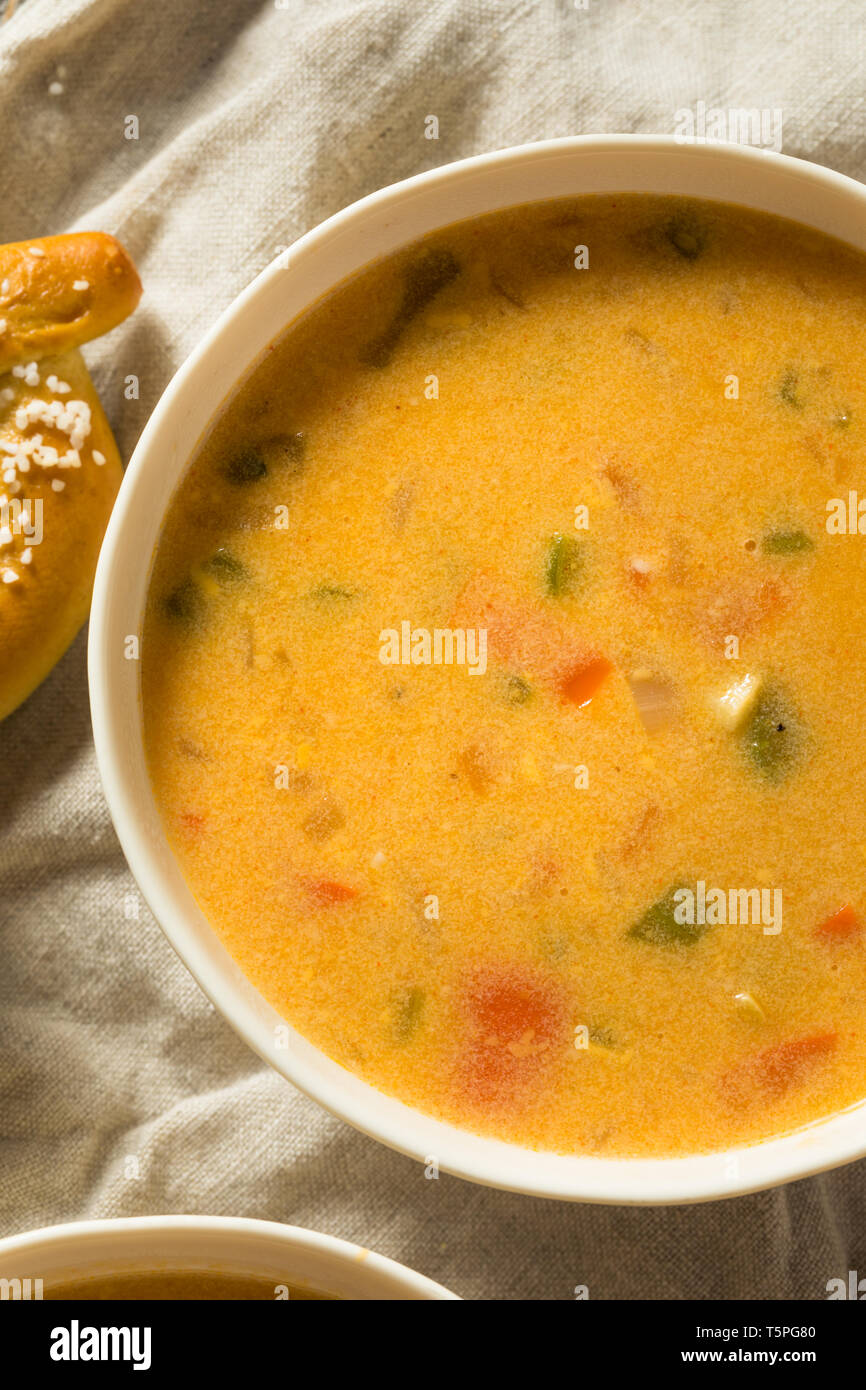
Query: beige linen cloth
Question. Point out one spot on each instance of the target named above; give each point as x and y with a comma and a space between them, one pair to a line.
121, 1091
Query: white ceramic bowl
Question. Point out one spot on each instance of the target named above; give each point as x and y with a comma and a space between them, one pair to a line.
228, 1245
344, 244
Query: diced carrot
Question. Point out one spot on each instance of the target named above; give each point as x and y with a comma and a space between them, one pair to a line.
771, 1073
515, 1017
582, 683
841, 926
326, 890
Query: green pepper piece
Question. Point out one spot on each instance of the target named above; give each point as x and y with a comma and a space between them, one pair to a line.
286, 452
566, 561
408, 1011
788, 390
244, 467
772, 736
225, 568
517, 690
426, 277
686, 236
185, 604
659, 926
786, 541
328, 593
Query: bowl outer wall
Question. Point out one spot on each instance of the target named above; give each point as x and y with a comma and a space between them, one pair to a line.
319, 261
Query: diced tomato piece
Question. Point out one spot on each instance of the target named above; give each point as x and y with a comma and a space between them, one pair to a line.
841, 926
641, 836
583, 682
507, 1001
544, 872
744, 610
624, 485
326, 890
515, 1019
518, 635
526, 638
475, 766
771, 1073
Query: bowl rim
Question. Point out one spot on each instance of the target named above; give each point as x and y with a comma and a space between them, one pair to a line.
81, 1238
825, 1143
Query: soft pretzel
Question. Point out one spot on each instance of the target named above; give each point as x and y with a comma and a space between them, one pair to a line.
58, 292
59, 464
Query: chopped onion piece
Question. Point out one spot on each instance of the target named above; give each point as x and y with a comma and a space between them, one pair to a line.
655, 699
749, 1007
735, 706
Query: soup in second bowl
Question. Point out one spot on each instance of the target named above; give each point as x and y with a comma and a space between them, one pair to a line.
177, 1284
503, 675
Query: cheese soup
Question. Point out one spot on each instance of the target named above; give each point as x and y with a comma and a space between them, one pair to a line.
503, 676
170, 1285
